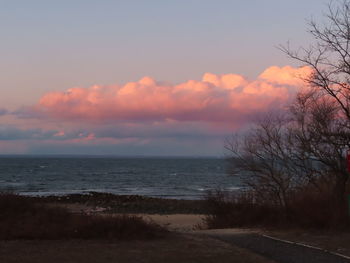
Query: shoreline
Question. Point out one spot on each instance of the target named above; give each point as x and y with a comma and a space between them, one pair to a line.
177, 215
83, 192
99, 202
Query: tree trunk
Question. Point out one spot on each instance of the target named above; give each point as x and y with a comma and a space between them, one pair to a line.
339, 197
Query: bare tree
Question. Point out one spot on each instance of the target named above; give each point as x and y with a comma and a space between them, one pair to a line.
325, 133
305, 149
329, 55
301, 149
320, 142
261, 158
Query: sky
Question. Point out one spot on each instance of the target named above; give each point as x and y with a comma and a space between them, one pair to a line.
145, 78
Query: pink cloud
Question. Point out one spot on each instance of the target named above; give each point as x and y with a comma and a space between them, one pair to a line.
215, 98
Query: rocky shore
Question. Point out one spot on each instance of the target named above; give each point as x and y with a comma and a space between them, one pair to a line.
135, 204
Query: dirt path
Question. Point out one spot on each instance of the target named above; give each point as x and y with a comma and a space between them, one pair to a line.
277, 250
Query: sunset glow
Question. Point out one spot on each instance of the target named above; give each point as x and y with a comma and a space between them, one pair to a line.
151, 78
143, 112
216, 98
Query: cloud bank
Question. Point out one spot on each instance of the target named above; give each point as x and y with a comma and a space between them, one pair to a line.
215, 98
3, 111
148, 117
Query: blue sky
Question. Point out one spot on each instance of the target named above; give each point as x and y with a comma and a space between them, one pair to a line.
54, 45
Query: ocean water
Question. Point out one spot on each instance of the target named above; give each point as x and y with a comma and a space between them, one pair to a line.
180, 178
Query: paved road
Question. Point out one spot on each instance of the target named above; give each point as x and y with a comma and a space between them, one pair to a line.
279, 251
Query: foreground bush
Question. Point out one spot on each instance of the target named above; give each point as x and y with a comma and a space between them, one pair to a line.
23, 218
306, 209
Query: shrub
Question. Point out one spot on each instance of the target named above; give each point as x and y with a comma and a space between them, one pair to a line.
307, 209
238, 210
23, 218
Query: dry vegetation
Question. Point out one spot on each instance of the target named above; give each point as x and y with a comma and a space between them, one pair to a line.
307, 210
23, 218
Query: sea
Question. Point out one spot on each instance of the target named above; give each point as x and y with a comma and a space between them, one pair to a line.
176, 178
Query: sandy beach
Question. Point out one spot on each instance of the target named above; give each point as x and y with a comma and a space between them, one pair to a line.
177, 222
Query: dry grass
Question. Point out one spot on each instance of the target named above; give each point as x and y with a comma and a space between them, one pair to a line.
23, 218
306, 210
227, 211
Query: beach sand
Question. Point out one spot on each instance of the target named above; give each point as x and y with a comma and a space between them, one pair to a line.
177, 222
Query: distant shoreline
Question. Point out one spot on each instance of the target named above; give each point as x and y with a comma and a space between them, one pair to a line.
112, 203
87, 193
49, 156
